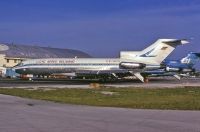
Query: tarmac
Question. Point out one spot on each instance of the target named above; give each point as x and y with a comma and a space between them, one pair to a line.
26, 115
168, 82
22, 115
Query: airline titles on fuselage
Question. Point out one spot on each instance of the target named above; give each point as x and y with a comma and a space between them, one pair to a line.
53, 61
70, 61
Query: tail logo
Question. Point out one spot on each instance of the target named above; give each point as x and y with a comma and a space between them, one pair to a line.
186, 60
147, 54
164, 48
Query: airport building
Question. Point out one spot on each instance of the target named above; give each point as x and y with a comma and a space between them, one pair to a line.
13, 54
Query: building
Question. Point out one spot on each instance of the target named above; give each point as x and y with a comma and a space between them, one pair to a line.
2, 72
13, 54
2, 60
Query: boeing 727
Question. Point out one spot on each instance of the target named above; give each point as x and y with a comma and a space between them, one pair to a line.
133, 62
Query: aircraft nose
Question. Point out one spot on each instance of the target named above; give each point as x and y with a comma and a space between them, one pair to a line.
19, 70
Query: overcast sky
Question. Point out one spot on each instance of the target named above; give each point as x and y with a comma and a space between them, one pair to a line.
100, 27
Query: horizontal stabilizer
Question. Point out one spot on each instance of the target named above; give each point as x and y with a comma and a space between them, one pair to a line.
175, 42
197, 54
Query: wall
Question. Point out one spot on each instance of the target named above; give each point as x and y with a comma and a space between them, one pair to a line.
11, 62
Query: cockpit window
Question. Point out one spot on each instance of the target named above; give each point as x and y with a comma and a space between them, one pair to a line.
20, 64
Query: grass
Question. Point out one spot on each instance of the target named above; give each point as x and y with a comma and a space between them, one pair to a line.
187, 98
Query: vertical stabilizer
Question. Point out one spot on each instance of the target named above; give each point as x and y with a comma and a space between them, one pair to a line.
191, 58
155, 53
158, 51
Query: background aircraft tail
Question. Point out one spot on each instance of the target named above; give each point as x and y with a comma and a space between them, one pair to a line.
191, 58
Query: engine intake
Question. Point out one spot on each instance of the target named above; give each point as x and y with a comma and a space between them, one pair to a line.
131, 65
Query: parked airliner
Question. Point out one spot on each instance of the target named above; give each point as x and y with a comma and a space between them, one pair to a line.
177, 67
133, 62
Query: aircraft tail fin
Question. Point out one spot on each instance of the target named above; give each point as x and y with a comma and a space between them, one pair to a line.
155, 53
158, 51
191, 58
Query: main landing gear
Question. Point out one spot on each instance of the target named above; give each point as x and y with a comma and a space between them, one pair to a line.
146, 80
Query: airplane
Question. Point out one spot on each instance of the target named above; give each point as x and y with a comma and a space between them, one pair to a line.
134, 62
177, 67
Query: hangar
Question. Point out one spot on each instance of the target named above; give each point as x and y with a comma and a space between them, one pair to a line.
12, 54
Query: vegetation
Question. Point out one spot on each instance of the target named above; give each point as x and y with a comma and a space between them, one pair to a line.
187, 98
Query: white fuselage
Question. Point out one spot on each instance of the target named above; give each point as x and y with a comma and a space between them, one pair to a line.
67, 65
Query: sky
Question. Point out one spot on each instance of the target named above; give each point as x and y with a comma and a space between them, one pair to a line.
101, 28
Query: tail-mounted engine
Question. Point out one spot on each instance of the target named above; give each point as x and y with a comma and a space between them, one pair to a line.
171, 69
131, 65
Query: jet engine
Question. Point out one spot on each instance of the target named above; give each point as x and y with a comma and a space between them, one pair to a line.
171, 69
187, 70
131, 65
